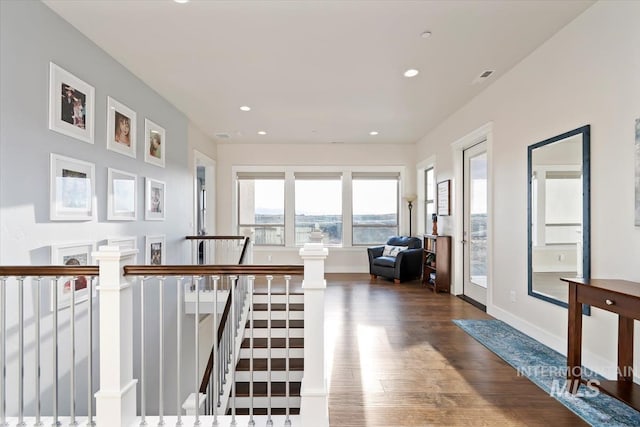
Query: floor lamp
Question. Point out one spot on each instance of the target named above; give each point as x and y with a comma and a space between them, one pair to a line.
410, 199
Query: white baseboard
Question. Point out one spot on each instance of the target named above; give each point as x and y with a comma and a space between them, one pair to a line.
590, 360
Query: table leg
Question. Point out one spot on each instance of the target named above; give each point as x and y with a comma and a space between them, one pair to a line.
625, 348
574, 340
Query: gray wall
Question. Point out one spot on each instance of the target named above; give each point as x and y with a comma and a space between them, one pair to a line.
31, 36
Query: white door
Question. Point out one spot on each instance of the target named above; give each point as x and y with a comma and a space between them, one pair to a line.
475, 223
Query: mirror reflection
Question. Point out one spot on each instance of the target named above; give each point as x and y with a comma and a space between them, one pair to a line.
558, 195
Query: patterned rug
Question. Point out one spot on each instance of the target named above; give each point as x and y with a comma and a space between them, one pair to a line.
547, 369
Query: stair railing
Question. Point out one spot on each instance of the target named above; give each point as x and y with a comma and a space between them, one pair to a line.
62, 281
116, 401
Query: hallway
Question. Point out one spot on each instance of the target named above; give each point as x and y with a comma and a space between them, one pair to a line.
396, 360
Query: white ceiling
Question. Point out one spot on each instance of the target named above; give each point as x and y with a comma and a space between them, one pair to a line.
318, 71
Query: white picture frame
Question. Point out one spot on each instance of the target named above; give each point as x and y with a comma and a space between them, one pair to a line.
121, 128
155, 250
71, 189
154, 143
122, 192
71, 105
154, 201
77, 253
125, 242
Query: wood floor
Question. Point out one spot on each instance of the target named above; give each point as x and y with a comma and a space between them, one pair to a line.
397, 360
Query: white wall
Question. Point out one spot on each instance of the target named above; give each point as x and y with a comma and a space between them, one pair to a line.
588, 73
340, 259
31, 36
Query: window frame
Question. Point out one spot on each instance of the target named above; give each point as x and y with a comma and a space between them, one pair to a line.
289, 172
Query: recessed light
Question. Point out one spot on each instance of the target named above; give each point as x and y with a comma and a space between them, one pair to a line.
411, 72
373, 133
426, 34
261, 132
181, 1
245, 108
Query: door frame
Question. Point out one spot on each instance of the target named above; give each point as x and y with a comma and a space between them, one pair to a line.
481, 134
201, 159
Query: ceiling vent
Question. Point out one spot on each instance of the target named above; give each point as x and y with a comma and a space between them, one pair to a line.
222, 135
483, 76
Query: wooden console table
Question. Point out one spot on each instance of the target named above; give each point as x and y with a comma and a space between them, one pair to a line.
618, 296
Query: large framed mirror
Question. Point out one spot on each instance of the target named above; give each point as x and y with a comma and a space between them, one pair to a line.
558, 214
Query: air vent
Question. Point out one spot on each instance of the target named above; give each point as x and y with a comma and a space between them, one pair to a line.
483, 76
222, 135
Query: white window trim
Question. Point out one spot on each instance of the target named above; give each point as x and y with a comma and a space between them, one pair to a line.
289, 194
421, 167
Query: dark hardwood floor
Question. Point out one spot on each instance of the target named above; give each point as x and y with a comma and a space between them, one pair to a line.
397, 360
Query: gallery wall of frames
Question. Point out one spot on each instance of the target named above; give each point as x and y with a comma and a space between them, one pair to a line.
73, 195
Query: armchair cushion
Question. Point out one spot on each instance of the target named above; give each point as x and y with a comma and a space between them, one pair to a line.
385, 261
392, 251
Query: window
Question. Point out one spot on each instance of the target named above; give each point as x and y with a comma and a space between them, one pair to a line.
318, 205
261, 208
375, 208
429, 199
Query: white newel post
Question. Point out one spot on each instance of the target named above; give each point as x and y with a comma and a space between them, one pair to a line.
314, 408
116, 399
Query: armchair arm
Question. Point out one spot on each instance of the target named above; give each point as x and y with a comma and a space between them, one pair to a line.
408, 264
375, 252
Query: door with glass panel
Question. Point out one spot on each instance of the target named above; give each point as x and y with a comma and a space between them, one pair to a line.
475, 223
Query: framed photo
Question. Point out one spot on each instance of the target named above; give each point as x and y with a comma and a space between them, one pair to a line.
71, 105
129, 242
154, 143
155, 250
72, 254
71, 189
444, 198
122, 192
121, 128
154, 201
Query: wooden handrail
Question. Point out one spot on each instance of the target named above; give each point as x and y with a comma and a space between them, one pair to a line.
49, 270
212, 270
207, 371
206, 237
244, 250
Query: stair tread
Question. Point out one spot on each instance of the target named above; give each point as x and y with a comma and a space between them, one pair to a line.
275, 343
278, 389
277, 324
278, 307
295, 364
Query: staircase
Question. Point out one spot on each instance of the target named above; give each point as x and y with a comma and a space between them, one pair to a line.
271, 356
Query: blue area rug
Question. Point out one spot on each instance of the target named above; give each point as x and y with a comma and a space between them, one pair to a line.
547, 369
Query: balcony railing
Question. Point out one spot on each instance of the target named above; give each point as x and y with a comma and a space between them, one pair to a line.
135, 302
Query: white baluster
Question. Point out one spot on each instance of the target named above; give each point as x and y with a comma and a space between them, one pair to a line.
143, 392
3, 352
161, 355
21, 351
269, 420
37, 338
215, 370
73, 421
287, 341
179, 350
251, 279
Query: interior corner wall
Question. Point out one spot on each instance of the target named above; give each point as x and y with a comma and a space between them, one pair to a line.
340, 260
587, 73
31, 35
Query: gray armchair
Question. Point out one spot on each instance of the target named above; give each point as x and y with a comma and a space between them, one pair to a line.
405, 265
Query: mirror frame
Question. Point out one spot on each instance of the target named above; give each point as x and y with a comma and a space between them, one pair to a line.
585, 131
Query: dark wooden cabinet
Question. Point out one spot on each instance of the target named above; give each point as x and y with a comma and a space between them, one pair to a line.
436, 262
